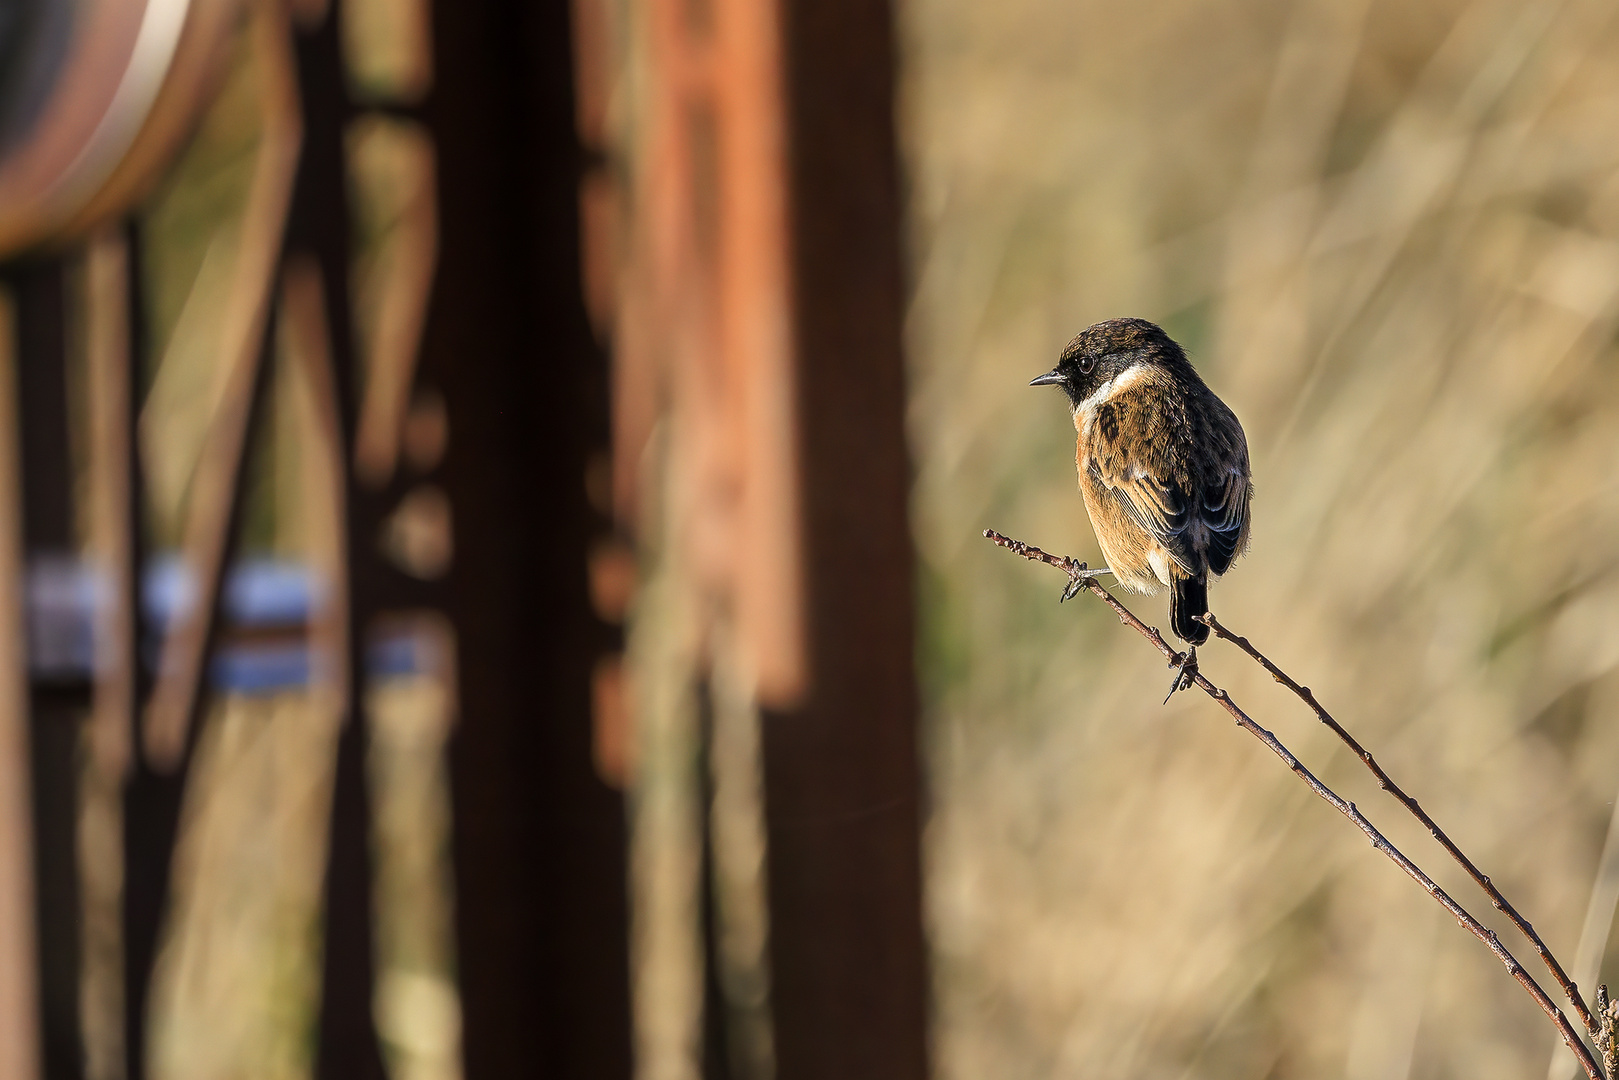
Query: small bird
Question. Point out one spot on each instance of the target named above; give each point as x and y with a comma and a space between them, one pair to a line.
1163, 468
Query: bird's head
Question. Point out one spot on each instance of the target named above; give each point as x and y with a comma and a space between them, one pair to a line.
1103, 351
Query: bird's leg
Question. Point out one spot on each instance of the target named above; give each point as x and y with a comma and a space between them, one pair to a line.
1078, 577
1185, 666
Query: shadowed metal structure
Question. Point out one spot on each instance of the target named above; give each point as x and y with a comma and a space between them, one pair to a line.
744, 259
404, 423
538, 840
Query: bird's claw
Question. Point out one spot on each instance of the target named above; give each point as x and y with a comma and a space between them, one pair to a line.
1185, 665
1078, 577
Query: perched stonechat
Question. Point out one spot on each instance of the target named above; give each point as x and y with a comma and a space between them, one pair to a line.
1163, 465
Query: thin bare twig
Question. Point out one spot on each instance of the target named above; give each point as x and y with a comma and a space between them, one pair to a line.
1501, 903
1606, 1020
1076, 572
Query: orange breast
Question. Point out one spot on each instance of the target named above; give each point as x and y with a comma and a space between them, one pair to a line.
1127, 547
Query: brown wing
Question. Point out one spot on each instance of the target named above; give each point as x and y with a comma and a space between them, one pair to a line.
1139, 472
1184, 479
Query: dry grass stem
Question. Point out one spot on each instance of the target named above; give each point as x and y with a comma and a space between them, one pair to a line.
1077, 575
1501, 903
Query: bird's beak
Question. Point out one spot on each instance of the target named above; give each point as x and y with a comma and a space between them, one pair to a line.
1048, 378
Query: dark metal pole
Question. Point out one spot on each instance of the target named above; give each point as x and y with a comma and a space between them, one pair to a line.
57, 706
539, 840
842, 774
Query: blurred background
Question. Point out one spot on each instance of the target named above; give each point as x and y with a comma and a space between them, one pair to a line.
491, 580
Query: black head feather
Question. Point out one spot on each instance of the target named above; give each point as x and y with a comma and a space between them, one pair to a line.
1103, 350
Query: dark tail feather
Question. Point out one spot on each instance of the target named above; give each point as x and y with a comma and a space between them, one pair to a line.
1190, 598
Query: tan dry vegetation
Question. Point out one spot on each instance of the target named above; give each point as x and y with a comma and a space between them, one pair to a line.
1389, 233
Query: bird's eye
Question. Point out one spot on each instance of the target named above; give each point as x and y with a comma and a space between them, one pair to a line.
1086, 364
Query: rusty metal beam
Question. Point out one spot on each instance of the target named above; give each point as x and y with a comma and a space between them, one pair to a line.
842, 773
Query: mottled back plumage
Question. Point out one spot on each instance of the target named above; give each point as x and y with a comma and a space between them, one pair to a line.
1163, 463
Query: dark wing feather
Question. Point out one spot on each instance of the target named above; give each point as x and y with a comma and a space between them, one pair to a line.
1227, 489
1140, 478
1224, 512
1146, 465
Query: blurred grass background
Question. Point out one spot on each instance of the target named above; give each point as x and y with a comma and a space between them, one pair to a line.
1388, 232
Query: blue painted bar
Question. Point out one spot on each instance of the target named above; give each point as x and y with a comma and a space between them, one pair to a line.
64, 594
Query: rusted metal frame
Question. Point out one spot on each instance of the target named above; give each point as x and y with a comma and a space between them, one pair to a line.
167, 715
539, 839
57, 702
20, 1050
110, 551
318, 238
154, 794
843, 772
170, 698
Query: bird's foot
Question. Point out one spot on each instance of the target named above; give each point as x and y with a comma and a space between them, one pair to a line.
1185, 665
1078, 577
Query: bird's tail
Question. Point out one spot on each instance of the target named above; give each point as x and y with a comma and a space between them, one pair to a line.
1189, 599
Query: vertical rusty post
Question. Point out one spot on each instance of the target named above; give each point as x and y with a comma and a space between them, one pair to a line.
19, 972
57, 699
109, 544
842, 772
758, 303
317, 263
538, 837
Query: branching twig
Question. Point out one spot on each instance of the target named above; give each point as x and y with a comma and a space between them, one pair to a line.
1607, 1018
1501, 903
1076, 574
